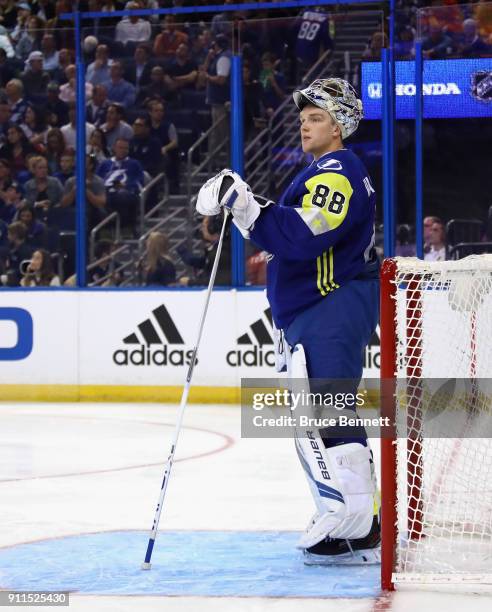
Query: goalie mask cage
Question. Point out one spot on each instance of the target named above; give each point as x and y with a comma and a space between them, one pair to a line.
436, 323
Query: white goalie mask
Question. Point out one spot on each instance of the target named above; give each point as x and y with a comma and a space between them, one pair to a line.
335, 96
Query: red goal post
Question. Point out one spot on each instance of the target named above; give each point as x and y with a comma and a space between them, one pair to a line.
436, 332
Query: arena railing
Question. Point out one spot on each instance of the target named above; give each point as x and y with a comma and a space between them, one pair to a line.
113, 217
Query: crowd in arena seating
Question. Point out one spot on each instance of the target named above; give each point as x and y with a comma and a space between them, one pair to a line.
447, 28
152, 86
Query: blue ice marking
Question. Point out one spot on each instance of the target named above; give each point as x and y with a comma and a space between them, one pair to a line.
193, 563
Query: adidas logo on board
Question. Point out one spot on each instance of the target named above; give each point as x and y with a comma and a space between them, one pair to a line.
153, 338
251, 351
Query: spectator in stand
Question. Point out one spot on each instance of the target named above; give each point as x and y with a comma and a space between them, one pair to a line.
405, 43
97, 146
5, 44
23, 14
222, 22
36, 230
159, 88
16, 149
216, 71
62, 29
471, 44
69, 130
169, 39
15, 97
437, 242
120, 91
123, 179
436, 45
154, 4
43, 191
183, 70
379, 40
95, 193
68, 90
252, 95
98, 71
35, 127
203, 264
67, 167
165, 132
115, 127
8, 13
30, 39
158, 267
65, 59
133, 29
428, 223
138, 71
56, 109
98, 106
256, 268
55, 147
144, 147
5, 176
44, 9
4, 230
18, 252
50, 54
483, 16
35, 79
11, 202
39, 273
405, 243
272, 84
200, 47
5, 121
7, 72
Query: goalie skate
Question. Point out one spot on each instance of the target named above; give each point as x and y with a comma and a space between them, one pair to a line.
362, 551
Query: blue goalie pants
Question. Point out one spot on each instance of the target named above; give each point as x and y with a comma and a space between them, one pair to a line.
335, 333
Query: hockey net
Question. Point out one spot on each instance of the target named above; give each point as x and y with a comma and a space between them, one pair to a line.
436, 343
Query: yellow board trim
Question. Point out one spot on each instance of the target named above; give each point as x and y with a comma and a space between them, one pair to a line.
117, 393
127, 393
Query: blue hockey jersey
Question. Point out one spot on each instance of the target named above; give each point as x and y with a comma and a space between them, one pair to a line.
321, 234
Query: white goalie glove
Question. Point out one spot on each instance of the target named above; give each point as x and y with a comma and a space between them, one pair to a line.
227, 189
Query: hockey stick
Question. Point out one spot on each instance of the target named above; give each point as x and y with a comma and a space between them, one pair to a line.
146, 565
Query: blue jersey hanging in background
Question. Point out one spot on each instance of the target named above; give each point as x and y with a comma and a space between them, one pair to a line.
313, 34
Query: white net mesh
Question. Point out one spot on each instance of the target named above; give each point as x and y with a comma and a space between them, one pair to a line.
444, 460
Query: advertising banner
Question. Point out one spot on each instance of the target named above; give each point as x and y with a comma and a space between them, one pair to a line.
114, 340
454, 88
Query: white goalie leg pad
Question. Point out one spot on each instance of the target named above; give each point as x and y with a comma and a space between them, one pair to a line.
322, 480
352, 476
341, 478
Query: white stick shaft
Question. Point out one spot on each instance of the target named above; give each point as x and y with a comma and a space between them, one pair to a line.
184, 400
